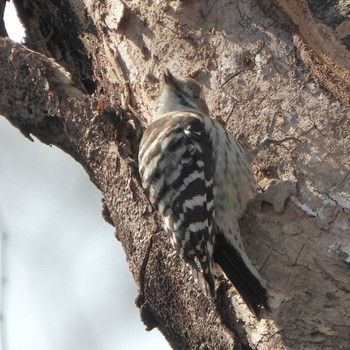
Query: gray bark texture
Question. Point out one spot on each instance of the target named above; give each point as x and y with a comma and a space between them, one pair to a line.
85, 80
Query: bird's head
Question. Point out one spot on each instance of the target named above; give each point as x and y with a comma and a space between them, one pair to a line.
180, 95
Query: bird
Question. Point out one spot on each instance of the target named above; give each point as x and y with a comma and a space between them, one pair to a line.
199, 179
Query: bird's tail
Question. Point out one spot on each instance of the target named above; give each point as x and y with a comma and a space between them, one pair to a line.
248, 285
204, 277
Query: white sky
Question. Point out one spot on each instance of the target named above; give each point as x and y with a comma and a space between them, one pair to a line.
68, 285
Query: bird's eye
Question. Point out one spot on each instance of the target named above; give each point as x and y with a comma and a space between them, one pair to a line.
194, 91
196, 94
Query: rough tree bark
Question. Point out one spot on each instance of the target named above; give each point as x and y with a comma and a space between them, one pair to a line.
85, 81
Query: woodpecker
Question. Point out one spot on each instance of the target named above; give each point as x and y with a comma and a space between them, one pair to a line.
199, 179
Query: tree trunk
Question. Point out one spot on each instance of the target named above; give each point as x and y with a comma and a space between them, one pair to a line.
86, 80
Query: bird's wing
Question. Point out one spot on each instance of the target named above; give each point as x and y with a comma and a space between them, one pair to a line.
180, 173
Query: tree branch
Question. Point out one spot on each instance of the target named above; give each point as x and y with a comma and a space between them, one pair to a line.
41, 101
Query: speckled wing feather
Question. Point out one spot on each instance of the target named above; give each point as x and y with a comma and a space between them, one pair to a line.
177, 174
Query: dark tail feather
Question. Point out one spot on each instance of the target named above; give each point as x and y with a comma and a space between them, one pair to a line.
204, 279
248, 286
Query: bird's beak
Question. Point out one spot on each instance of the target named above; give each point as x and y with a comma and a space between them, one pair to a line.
168, 78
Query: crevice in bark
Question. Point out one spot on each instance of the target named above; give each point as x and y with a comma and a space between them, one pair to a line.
225, 309
54, 29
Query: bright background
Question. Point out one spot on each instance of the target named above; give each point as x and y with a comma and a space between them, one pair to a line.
67, 284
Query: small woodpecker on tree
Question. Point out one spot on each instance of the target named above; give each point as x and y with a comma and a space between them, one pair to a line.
199, 179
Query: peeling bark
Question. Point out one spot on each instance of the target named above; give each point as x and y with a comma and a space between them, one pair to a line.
85, 82
321, 46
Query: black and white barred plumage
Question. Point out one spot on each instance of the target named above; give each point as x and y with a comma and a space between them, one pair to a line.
199, 179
